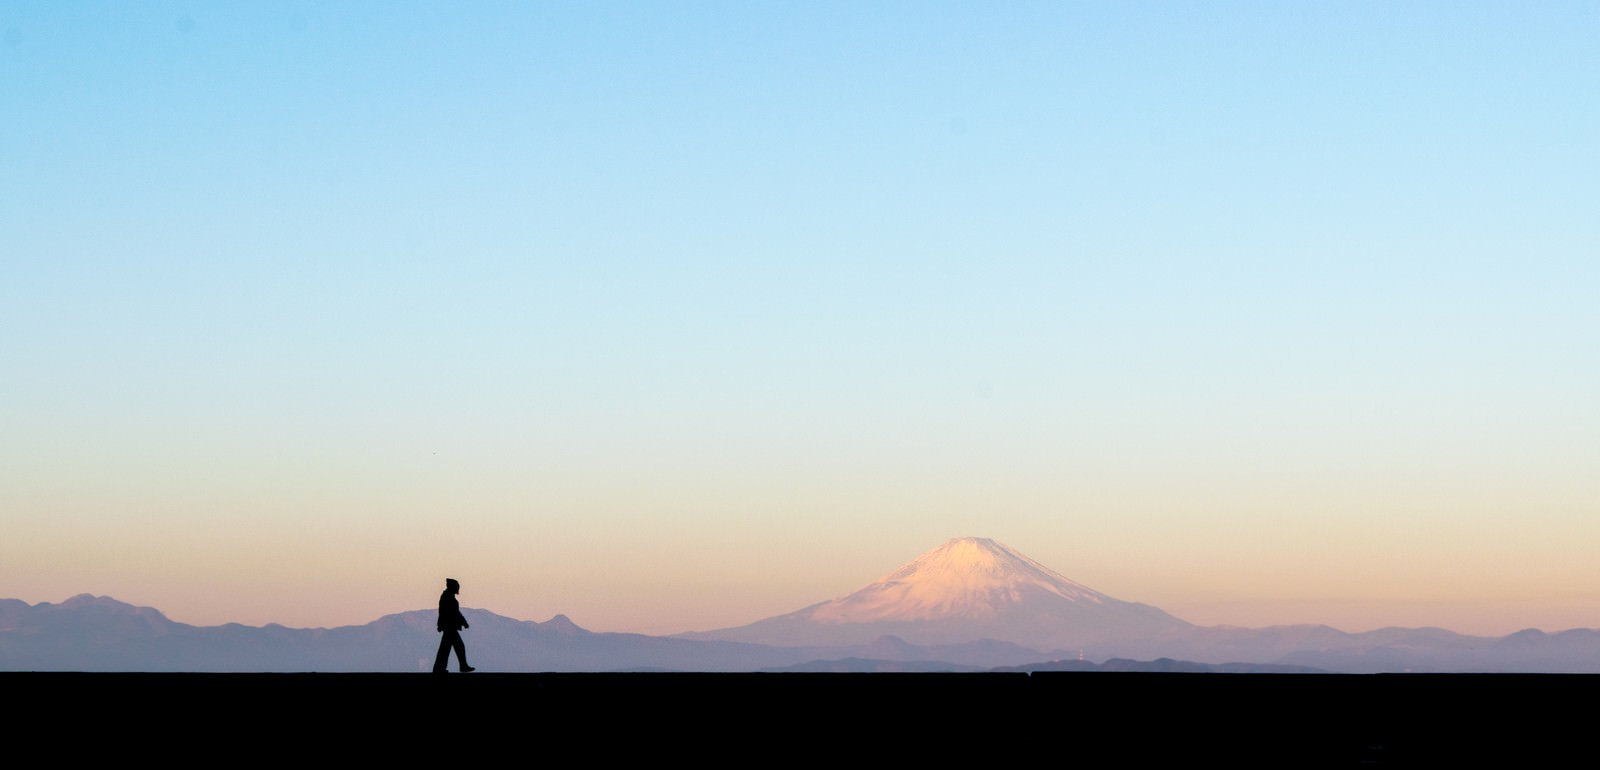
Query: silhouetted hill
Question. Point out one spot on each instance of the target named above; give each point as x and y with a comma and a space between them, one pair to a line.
1113, 718
90, 633
96, 633
1161, 666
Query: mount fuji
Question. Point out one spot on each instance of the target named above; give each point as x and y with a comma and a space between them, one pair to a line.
967, 589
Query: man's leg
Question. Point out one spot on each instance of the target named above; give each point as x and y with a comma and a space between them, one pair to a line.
461, 651
443, 658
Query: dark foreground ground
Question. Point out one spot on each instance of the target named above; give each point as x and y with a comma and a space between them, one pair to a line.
487, 720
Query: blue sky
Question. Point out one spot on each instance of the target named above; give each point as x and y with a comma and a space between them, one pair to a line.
678, 315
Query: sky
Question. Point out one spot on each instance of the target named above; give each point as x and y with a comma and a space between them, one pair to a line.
676, 316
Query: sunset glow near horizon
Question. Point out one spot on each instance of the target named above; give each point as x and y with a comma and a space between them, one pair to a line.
677, 316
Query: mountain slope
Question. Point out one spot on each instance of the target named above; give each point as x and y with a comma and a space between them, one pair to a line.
966, 589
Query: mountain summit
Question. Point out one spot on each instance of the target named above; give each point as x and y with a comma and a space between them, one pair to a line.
967, 577
967, 589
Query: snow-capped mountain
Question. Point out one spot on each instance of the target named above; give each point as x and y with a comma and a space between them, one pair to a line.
967, 577
966, 589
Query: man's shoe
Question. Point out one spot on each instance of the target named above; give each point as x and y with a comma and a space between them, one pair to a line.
466, 669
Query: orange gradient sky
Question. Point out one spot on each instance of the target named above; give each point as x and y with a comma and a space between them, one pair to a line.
680, 316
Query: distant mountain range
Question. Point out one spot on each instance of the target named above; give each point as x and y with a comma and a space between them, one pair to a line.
98, 633
969, 605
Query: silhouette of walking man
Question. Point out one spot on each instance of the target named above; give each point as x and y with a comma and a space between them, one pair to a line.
451, 621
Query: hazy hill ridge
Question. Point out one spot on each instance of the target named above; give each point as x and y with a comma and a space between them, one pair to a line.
970, 604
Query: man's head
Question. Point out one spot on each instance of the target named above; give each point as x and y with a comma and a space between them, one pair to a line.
452, 586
